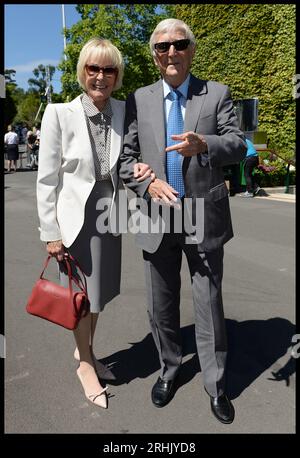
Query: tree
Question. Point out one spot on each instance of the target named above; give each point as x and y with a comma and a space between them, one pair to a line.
129, 27
10, 75
39, 83
10, 104
28, 109
21, 106
250, 47
10, 108
57, 98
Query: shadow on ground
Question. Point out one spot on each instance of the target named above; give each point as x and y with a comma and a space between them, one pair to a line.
6, 172
253, 347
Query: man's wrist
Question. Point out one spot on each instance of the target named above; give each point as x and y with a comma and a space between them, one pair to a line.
147, 196
203, 148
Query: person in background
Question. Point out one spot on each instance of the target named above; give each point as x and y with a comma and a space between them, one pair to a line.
11, 142
24, 132
232, 176
186, 130
37, 130
32, 147
18, 130
78, 166
251, 161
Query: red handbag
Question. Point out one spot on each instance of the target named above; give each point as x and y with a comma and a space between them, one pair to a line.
57, 304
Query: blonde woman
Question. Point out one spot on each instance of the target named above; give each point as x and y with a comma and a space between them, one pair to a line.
80, 145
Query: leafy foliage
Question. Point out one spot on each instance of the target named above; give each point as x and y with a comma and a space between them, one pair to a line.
129, 27
276, 177
10, 107
28, 108
250, 47
39, 83
22, 107
12, 97
10, 75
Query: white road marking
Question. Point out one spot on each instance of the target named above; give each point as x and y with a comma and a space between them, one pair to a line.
17, 377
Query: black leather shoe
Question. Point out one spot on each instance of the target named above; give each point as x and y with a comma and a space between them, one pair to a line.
162, 392
222, 408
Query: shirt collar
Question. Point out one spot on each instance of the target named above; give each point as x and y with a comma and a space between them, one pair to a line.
183, 88
91, 110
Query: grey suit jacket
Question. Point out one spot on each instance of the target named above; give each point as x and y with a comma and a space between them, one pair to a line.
209, 111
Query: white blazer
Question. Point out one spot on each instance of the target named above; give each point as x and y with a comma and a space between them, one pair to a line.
66, 172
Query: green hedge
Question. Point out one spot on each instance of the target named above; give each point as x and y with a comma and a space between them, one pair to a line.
252, 49
277, 177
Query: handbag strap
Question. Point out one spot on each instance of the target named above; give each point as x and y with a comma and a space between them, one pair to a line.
84, 310
83, 285
79, 282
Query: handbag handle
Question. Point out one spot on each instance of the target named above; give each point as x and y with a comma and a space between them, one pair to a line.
83, 285
79, 283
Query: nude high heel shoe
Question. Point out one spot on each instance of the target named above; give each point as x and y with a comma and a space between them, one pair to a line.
102, 370
100, 399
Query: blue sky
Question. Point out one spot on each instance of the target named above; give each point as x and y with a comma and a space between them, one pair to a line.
33, 36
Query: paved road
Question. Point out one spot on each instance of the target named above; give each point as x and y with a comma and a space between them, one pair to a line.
42, 393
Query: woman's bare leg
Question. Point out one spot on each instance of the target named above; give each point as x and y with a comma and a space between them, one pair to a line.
86, 371
94, 319
101, 369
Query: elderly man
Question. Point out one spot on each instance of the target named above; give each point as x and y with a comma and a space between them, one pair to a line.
197, 117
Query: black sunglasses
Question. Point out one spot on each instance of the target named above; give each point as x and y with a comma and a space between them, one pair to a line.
93, 70
179, 45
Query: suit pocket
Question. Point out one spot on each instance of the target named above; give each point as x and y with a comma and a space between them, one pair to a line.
218, 192
206, 115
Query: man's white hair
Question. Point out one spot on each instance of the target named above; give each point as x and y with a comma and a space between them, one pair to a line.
169, 25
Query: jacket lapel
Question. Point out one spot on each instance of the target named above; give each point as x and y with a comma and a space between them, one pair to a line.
156, 114
80, 129
116, 130
195, 98
78, 122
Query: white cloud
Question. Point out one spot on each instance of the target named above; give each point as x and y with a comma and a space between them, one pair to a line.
25, 68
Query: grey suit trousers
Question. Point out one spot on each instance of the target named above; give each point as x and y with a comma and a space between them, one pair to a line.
162, 271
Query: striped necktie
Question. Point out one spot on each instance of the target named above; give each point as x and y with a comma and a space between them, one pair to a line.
174, 159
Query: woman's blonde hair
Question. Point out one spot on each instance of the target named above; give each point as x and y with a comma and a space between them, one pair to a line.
100, 48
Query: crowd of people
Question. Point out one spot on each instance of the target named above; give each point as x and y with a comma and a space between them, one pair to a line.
21, 135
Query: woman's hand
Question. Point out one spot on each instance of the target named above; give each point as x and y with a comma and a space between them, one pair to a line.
56, 249
142, 171
160, 191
